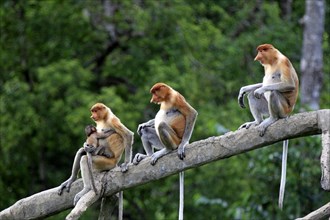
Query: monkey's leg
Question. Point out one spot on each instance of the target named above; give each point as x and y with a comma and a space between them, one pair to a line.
169, 139
102, 163
149, 140
90, 164
168, 136
277, 104
74, 172
258, 108
86, 179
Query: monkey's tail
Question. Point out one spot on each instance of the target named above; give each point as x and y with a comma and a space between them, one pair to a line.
283, 174
181, 182
120, 205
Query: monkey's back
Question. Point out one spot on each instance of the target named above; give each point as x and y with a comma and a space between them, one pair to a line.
116, 143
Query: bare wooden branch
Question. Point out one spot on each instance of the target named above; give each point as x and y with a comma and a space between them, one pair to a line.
325, 161
47, 203
321, 213
324, 119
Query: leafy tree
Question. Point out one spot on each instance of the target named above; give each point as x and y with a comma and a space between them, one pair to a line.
60, 57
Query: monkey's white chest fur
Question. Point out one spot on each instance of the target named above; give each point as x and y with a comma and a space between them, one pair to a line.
160, 117
173, 119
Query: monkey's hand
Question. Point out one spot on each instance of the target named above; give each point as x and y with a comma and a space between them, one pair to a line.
89, 148
124, 167
258, 93
241, 98
181, 152
150, 123
140, 127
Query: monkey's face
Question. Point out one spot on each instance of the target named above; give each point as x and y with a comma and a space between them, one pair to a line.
160, 95
99, 112
90, 129
156, 98
260, 57
265, 54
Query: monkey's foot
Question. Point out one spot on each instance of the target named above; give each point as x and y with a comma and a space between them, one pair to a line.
67, 185
80, 194
138, 157
153, 160
124, 167
264, 125
181, 153
247, 125
158, 155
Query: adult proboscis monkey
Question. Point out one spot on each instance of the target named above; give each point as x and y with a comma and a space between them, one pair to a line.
121, 140
275, 97
171, 129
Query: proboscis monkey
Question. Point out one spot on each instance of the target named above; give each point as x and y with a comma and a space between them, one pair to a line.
120, 140
275, 97
171, 129
96, 145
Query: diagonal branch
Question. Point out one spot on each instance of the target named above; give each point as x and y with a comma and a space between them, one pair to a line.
198, 153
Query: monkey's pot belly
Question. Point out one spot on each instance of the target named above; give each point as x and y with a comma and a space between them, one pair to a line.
173, 118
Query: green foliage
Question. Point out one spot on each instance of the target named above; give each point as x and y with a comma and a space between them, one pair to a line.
58, 58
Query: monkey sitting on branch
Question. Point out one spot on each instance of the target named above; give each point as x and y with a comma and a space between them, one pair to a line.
275, 97
171, 129
119, 141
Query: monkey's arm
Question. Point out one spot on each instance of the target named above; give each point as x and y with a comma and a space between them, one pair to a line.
281, 87
285, 84
128, 150
150, 123
128, 142
244, 90
191, 115
105, 132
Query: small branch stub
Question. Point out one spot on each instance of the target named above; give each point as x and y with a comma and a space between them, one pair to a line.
324, 124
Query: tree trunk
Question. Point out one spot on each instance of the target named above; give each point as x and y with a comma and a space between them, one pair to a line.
311, 63
286, 8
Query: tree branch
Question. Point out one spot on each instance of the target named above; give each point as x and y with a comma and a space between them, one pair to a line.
198, 153
321, 213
